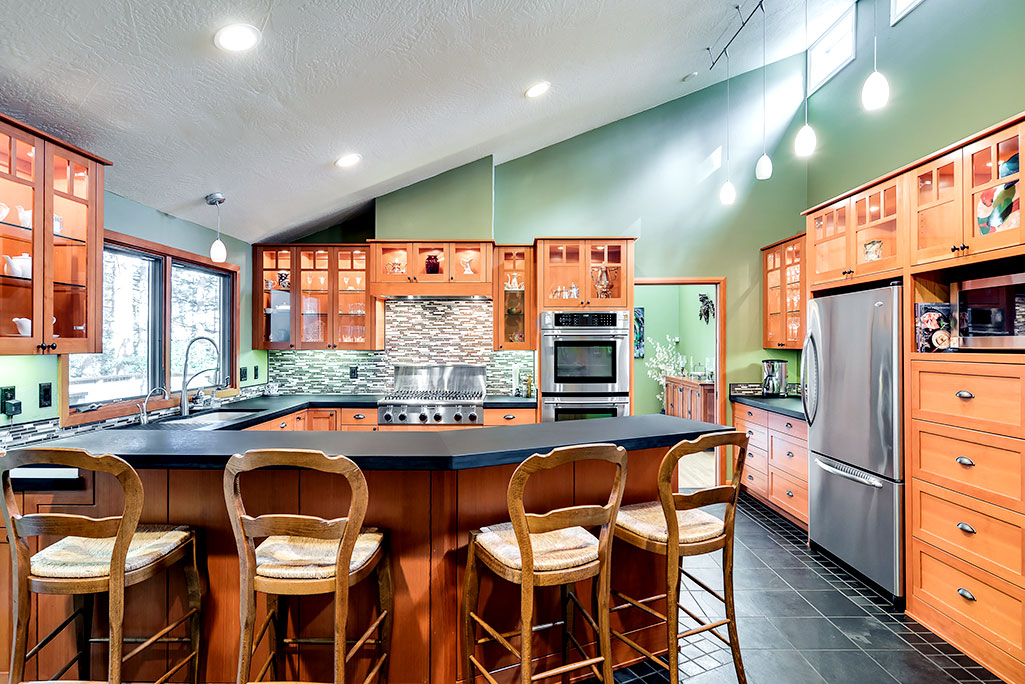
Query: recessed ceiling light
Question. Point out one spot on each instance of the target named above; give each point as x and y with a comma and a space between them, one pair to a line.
690, 76
237, 37
538, 89
349, 160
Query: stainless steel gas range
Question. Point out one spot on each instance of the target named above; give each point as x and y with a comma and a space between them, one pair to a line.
435, 395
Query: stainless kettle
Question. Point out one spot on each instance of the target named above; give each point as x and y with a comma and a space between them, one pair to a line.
774, 378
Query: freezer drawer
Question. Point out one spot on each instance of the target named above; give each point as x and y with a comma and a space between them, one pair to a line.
858, 517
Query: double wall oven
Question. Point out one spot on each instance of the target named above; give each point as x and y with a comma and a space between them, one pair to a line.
585, 364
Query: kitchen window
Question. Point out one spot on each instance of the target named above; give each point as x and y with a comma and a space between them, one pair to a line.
900, 8
833, 50
155, 299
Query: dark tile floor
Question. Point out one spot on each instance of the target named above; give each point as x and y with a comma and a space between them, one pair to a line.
804, 620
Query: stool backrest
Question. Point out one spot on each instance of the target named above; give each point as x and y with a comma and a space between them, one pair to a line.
524, 524
247, 528
722, 494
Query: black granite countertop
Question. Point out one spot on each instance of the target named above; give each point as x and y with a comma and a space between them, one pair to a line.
298, 402
786, 406
413, 450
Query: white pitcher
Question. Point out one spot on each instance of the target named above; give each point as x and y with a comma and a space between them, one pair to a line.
24, 326
24, 216
4, 211
19, 266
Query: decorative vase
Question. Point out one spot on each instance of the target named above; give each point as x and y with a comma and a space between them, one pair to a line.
431, 265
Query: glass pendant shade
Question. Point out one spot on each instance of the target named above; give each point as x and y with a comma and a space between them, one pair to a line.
218, 252
727, 193
804, 143
763, 169
876, 92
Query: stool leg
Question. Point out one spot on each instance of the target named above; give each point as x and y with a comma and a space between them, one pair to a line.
195, 601
471, 590
731, 615
247, 623
276, 632
603, 586
341, 617
673, 614
22, 611
526, 628
385, 604
567, 627
83, 631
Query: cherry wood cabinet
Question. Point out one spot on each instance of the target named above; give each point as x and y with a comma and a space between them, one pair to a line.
776, 472
457, 268
51, 244
314, 297
515, 318
784, 283
829, 244
592, 273
992, 211
878, 232
685, 398
936, 201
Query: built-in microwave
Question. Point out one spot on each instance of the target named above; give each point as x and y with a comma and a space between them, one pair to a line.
585, 352
988, 313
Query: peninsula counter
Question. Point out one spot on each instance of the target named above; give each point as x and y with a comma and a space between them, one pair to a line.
427, 489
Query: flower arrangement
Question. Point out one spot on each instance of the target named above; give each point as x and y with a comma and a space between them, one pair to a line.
664, 361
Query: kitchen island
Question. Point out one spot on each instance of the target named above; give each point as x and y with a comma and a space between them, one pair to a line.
427, 489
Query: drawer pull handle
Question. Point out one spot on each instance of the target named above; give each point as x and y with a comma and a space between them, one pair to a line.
966, 528
750, 414
790, 454
509, 416
965, 594
964, 394
283, 425
965, 461
750, 433
751, 477
789, 426
790, 494
359, 416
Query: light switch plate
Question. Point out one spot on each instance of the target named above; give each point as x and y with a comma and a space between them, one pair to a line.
256, 372
243, 374
45, 395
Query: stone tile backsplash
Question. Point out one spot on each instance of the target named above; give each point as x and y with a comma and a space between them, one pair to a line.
418, 331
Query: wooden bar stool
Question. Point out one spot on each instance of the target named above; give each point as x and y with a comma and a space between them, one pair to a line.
95, 556
543, 550
301, 555
674, 526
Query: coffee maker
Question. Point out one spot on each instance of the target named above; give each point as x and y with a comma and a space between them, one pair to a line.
774, 378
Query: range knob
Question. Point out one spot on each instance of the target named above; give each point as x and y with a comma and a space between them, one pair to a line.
423, 417
437, 417
472, 417
457, 416
402, 417
387, 417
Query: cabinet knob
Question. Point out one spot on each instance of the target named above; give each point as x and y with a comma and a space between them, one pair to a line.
291, 346
953, 248
790, 454
41, 347
964, 394
966, 528
751, 477
963, 247
965, 594
749, 413
789, 426
53, 346
965, 461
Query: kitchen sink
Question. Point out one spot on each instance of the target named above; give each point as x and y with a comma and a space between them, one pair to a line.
210, 418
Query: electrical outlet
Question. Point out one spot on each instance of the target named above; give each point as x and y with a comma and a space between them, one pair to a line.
9, 406
45, 395
353, 372
256, 372
243, 374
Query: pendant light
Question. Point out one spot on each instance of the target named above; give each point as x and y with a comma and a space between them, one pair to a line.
763, 168
218, 252
727, 193
876, 91
804, 143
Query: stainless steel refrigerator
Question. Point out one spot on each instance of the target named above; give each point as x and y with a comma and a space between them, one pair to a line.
850, 385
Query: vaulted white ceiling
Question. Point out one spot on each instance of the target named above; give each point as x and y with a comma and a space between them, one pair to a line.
416, 86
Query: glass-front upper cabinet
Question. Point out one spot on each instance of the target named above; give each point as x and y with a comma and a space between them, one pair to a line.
563, 269
351, 303
878, 216
273, 320
514, 297
21, 245
772, 322
316, 286
992, 191
936, 200
469, 262
793, 292
430, 262
607, 273
828, 244
393, 262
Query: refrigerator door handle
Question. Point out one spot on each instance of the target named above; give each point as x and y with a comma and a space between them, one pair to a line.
860, 479
808, 352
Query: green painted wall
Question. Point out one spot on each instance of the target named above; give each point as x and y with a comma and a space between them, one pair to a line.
454, 205
954, 68
653, 175
661, 318
697, 338
125, 216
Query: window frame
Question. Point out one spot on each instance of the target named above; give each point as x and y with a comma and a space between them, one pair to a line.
113, 409
853, 12
894, 18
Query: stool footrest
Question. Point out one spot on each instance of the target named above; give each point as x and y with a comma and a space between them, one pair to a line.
177, 666
366, 635
482, 670
568, 667
494, 633
701, 584
156, 637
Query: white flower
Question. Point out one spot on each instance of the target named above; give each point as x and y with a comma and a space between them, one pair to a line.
664, 361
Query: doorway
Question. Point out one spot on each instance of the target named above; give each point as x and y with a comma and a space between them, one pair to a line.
683, 324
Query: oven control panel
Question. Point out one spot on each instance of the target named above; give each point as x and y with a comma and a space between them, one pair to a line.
584, 319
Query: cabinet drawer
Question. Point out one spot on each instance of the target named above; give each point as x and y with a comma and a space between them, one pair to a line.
789, 455
749, 414
788, 493
757, 435
791, 427
988, 536
984, 604
283, 423
981, 396
520, 416
358, 416
984, 466
757, 459
756, 481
